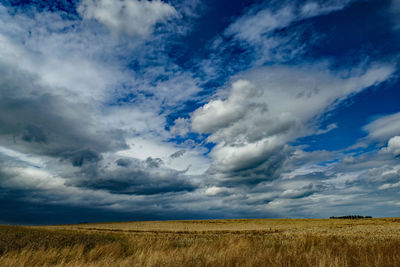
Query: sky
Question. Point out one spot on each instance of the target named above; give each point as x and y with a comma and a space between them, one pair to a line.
117, 110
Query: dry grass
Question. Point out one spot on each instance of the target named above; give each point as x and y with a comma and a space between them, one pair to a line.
367, 242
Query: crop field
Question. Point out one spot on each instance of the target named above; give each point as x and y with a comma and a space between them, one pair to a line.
258, 242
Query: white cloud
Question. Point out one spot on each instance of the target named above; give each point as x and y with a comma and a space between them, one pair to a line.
272, 106
65, 58
317, 8
49, 56
384, 127
127, 17
219, 114
181, 127
28, 159
329, 128
394, 145
271, 32
32, 178
213, 190
251, 27
229, 157
255, 26
388, 186
192, 161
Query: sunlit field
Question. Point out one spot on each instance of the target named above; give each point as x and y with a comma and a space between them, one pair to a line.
269, 242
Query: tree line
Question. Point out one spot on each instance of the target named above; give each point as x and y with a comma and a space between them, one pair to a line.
351, 217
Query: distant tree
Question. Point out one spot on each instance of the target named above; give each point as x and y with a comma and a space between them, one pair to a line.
352, 217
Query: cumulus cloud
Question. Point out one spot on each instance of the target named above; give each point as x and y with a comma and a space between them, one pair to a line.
219, 114
394, 145
266, 109
127, 17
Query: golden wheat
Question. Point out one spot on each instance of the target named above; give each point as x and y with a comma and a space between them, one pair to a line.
285, 242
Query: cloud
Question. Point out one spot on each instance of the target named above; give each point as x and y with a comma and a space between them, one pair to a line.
34, 134
36, 120
269, 32
394, 145
333, 183
51, 107
82, 156
218, 191
127, 17
219, 114
329, 128
258, 21
177, 154
394, 12
384, 127
266, 109
103, 187
145, 177
181, 127
117, 127
184, 157
67, 109
302, 192
123, 162
251, 27
51, 68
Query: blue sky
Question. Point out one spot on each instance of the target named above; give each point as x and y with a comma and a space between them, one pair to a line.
148, 110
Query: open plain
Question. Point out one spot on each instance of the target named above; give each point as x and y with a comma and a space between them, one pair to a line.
250, 242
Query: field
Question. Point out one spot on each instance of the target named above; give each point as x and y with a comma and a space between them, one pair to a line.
269, 242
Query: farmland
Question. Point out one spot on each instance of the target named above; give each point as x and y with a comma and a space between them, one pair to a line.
252, 242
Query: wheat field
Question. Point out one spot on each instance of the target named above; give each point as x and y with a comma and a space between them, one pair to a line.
258, 242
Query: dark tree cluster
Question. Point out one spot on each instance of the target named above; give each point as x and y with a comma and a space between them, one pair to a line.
351, 217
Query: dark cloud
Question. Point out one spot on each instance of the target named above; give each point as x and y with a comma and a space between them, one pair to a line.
302, 192
177, 154
254, 170
123, 162
20, 211
49, 124
79, 157
154, 162
33, 133
138, 178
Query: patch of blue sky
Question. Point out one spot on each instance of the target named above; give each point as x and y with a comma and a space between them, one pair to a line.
349, 36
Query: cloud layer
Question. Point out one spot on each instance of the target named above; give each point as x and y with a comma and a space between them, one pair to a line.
123, 110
